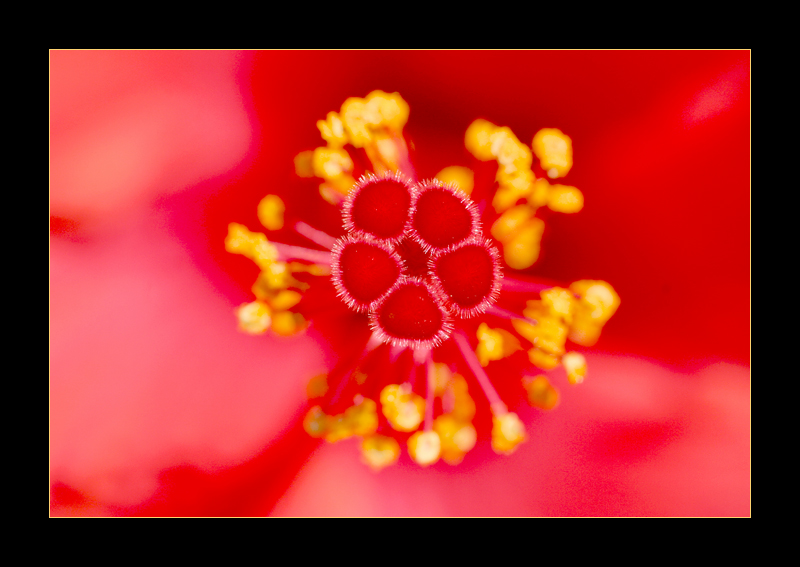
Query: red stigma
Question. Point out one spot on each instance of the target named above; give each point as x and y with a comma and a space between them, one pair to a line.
411, 316
414, 257
379, 207
443, 216
468, 275
363, 271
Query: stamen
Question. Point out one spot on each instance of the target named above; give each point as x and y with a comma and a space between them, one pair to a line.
289, 252
554, 150
431, 384
505, 314
518, 285
317, 236
497, 405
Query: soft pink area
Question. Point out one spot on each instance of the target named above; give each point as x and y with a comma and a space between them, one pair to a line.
128, 126
148, 370
636, 438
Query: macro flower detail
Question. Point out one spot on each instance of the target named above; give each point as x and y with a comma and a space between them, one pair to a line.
435, 297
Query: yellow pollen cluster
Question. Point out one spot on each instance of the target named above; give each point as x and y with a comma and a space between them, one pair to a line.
452, 434
457, 437
554, 150
271, 309
462, 178
507, 432
379, 451
403, 408
519, 231
494, 344
541, 393
577, 313
360, 419
374, 123
425, 447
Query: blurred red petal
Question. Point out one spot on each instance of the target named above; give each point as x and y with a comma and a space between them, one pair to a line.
159, 406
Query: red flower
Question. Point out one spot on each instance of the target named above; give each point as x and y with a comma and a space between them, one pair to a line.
146, 375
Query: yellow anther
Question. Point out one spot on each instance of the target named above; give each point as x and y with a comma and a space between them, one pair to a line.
565, 199
391, 110
541, 393
511, 154
254, 318
379, 451
403, 409
317, 386
250, 244
441, 377
316, 422
542, 360
270, 283
456, 437
461, 177
332, 130
362, 417
521, 250
285, 299
495, 344
357, 118
548, 334
507, 432
337, 427
286, 323
331, 163
520, 233
276, 275
270, 212
490, 345
478, 139
313, 269
512, 188
554, 150
598, 296
253, 245
512, 221
460, 405
597, 302
540, 192
575, 365
560, 302
424, 447
304, 164
465, 438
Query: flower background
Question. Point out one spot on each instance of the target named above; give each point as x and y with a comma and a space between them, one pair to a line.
159, 406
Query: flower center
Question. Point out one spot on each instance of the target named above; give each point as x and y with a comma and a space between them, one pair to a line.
414, 258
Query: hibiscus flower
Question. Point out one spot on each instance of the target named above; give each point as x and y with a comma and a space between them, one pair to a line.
159, 407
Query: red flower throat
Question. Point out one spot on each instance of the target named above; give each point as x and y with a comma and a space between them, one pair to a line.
415, 261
